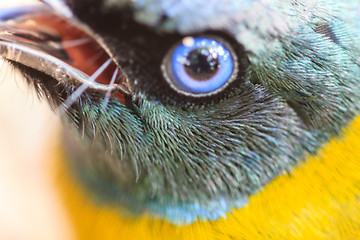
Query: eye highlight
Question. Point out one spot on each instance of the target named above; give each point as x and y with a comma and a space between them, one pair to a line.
200, 66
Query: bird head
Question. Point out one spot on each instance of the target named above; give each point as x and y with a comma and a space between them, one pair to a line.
185, 109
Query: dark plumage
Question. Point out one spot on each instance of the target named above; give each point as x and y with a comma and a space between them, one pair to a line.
184, 157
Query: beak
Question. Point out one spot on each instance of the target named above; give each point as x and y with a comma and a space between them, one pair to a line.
59, 45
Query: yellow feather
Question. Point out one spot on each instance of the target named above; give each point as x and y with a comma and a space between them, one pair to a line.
320, 199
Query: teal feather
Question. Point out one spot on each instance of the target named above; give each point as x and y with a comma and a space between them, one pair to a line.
185, 158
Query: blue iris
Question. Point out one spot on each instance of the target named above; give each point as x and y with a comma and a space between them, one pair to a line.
201, 65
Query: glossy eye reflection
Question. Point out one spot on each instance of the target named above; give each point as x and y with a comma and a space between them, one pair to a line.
200, 66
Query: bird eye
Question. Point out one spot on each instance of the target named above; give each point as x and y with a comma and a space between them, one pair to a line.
200, 66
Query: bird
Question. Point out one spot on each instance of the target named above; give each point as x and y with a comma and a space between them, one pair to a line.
232, 119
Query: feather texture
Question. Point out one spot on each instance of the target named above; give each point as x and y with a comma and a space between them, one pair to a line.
242, 163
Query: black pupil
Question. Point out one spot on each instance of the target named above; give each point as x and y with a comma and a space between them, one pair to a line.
202, 64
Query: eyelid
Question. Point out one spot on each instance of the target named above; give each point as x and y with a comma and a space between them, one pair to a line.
167, 72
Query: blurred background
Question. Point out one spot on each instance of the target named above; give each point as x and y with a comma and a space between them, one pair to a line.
30, 208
